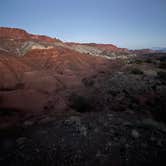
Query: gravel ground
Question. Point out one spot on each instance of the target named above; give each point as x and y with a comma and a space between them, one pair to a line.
100, 138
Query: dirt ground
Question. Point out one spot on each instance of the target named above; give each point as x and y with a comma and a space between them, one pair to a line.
96, 138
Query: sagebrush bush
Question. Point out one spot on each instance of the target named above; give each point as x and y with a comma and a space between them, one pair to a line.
148, 60
162, 65
88, 82
138, 61
159, 109
79, 103
161, 75
7, 112
136, 71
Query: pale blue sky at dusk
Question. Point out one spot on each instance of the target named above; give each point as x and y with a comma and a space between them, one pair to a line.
126, 23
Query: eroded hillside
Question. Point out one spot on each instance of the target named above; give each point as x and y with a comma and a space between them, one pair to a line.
80, 104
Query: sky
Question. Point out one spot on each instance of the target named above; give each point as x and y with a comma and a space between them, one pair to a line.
130, 24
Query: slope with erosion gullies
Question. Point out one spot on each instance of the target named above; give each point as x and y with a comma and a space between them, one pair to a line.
106, 50
18, 41
17, 34
40, 80
103, 47
108, 47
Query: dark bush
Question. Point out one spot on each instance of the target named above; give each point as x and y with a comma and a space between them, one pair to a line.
162, 65
7, 112
138, 61
79, 103
161, 75
159, 109
88, 82
148, 61
136, 71
1, 99
16, 86
162, 58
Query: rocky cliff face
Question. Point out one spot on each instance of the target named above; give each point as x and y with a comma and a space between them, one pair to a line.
98, 49
109, 48
13, 40
17, 42
13, 33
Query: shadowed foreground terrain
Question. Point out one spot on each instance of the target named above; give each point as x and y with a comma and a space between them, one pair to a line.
80, 104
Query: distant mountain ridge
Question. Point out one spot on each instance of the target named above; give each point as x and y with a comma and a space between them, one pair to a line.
160, 49
91, 48
15, 33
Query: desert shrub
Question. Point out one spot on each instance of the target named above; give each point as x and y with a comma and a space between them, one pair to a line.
1, 99
148, 60
136, 71
88, 82
162, 65
162, 58
16, 86
7, 112
159, 109
19, 85
79, 103
138, 61
161, 75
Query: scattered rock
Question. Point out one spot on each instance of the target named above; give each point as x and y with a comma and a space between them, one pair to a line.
28, 123
83, 130
21, 140
73, 120
135, 133
46, 119
76, 123
152, 123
